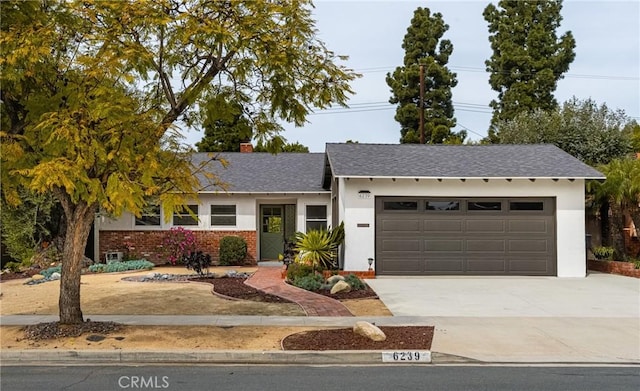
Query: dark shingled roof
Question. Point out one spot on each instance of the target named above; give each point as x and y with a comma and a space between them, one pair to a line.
456, 161
258, 172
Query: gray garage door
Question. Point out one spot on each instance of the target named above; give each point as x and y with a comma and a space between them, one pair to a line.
482, 236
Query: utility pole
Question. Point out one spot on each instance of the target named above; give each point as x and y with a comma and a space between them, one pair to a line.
421, 104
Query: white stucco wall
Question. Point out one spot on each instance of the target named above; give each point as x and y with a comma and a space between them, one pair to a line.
570, 221
247, 212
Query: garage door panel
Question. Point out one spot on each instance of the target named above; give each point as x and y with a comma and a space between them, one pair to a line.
530, 266
455, 265
441, 245
485, 246
528, 226
403, 266
529, 246
491, 265
515, 239
404, 226
442, 225
485, 226
401, 245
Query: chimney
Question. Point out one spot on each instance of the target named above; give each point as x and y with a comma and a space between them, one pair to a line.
246, 147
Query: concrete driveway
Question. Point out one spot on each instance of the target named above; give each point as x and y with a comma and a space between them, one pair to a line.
524, 319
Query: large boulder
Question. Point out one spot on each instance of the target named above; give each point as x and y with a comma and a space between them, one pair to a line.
335, 278
340, 286
369, 330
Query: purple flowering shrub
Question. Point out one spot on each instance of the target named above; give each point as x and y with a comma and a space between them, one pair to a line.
178, 243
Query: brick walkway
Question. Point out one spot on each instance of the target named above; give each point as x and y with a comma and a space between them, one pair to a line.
268, 279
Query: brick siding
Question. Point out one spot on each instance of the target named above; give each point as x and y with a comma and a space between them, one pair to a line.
148, 244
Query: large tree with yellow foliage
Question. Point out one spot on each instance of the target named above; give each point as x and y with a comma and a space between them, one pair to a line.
94, 94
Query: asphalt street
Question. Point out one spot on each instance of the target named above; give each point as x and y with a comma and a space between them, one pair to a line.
321, 378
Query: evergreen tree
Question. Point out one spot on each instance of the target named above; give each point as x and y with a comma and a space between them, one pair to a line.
280, 146
423, 46
528, 58
594, 134
224, 124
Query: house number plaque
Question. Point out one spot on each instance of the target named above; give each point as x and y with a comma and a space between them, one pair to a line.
407, 356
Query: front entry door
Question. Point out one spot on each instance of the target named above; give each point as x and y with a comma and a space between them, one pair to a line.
272, 231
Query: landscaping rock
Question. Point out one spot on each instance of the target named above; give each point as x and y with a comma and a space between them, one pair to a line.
37, 277
340, 286
152, 275
335, 278
369, 330
55, 276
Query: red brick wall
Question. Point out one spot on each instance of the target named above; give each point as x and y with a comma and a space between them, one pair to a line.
148, 244
614, 267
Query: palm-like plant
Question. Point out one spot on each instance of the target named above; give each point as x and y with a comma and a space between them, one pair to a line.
319, 247
622, 190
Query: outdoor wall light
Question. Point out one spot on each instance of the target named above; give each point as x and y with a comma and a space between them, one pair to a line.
370, 263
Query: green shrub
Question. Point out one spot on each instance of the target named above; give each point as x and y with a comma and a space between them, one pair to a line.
113, 267
636, 264
312, 282
13, 266
48, 272
97, 268
297, 270
354, 281
233, 251
602, 252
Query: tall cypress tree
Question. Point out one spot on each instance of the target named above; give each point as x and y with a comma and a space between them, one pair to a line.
528, 57
423, 46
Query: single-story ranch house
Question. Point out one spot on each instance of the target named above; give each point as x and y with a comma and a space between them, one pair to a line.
413, 209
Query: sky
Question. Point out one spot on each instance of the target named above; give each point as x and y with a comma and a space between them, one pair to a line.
606, 68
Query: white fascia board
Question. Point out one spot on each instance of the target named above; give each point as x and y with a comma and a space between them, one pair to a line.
265, 192
468, 177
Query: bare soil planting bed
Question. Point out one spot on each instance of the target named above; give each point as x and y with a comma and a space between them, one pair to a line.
108, 294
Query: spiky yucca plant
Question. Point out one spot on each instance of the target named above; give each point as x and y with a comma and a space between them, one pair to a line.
319, 247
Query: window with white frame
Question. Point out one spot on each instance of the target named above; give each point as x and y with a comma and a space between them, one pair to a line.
316, 217
224, 215
185, 217
150, 216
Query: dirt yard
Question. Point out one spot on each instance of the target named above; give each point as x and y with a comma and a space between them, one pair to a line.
107, 294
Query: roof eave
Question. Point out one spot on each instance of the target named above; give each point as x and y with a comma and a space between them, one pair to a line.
470, 177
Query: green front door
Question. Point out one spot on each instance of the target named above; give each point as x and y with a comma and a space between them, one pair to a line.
272, 231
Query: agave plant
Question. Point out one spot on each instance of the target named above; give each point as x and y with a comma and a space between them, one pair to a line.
319, 247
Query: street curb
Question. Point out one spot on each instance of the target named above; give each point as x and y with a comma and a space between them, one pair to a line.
328, 357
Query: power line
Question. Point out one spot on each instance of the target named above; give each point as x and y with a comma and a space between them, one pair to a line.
468, 129
378, 106
482, 70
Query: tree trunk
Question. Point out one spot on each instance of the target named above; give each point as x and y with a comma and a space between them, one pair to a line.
617, 230
605, 223
80, 217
